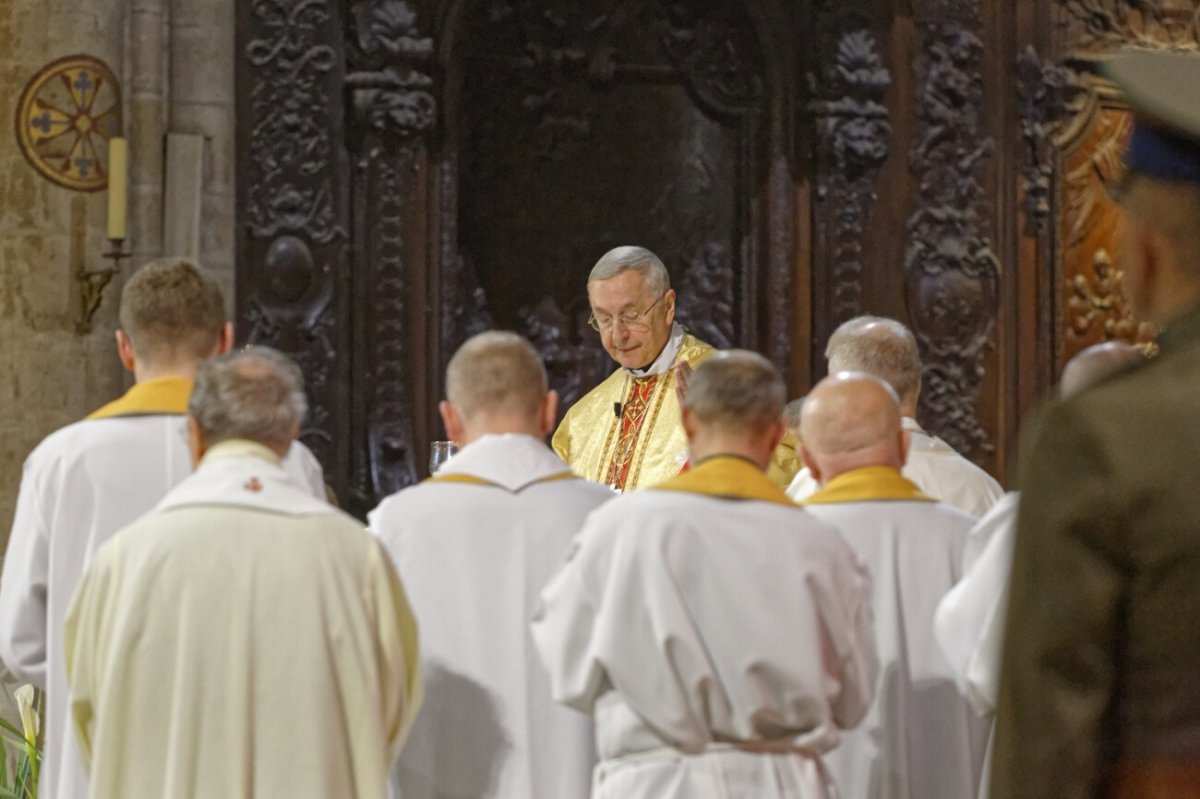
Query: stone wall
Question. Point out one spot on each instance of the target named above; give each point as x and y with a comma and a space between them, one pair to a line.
174, 59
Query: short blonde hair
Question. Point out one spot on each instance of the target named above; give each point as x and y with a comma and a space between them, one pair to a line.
736, 390
496, 371
171, 310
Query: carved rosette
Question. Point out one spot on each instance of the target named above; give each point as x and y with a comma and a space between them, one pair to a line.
853, 140
952, 271
290, 205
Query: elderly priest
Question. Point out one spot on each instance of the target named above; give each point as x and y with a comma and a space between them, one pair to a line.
626, 432
244, 639
920, 739
720, 636
93, 477
474, 545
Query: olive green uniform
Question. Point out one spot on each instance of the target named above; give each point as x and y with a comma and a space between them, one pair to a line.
1100, 687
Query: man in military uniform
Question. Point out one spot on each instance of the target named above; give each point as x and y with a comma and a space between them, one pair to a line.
1099, 694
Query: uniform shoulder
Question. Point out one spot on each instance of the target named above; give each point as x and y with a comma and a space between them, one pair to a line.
1173, 375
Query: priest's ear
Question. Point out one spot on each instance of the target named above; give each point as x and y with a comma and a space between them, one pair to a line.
810, 461
225, 341
195, 438
125, 350
548, 414
452, 420
689, 422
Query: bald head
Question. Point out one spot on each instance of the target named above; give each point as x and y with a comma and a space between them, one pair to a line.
881, 347
851, 420
1095, 363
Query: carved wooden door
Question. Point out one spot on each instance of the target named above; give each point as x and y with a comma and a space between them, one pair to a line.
412, 174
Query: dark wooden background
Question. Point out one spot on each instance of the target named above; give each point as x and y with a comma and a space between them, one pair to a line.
412, 172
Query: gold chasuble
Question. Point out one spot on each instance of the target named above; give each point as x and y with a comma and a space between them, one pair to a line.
626, 432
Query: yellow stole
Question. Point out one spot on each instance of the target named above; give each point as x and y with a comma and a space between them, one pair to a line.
728, 477
868, 484
470, 479
167, 395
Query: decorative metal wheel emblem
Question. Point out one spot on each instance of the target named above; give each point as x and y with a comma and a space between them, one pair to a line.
67, 113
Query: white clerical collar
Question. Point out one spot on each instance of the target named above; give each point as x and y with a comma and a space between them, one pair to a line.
666, 358
511, 460
243, 474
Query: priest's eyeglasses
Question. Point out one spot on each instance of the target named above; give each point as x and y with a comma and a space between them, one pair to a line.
630, 320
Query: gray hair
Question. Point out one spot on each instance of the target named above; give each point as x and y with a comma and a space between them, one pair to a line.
877, 346
256, 394
792, 412
633, 259
736, 390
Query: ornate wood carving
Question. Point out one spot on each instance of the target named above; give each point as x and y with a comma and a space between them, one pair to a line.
853, 140
1049, 95
1092, 306
1093, 26
391, 108
952, 271
544, 85
390, 91
706, 295
291, 196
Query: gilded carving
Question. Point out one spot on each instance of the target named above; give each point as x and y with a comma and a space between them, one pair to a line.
1101, 25
1098, 307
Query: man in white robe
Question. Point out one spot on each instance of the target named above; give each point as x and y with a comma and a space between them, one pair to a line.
971, 618
920, 739
244, 639
719, 636
89, 479
886, 349
474, 545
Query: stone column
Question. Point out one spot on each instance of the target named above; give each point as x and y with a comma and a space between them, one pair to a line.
145, 127
202, 102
